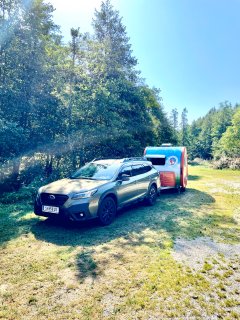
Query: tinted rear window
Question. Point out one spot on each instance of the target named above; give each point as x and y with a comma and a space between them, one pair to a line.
127, 171
137, 169
147, 169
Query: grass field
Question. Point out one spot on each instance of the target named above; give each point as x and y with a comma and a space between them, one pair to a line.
177, 260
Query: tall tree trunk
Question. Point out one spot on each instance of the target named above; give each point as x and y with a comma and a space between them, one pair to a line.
49, 165
15, 173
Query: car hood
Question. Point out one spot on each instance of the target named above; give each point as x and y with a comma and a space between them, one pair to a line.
68, 186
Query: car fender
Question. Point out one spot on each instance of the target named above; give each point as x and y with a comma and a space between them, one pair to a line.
109, 193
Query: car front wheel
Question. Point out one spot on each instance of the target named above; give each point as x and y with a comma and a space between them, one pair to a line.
152, 195
107, 211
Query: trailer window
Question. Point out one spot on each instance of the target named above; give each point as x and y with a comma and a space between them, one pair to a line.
157, 161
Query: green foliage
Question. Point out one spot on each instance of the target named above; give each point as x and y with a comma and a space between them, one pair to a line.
184, 130
109, 31
12, 139
25, 194
207, 134
69, 103
230, 140
174, 122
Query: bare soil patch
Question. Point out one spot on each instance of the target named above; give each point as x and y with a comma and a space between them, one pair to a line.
195, 252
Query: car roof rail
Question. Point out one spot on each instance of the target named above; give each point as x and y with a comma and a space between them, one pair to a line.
134, 159
104, 158
123, 159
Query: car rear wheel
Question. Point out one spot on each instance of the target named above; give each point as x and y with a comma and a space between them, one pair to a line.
107, 211
152, 195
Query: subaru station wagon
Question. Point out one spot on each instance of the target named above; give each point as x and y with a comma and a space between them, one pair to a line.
99, 189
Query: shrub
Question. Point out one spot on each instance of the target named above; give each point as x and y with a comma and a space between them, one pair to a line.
199, 162
235, 164
26, 194
227, 162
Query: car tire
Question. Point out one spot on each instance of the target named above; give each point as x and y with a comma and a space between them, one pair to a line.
152, 196
107, 211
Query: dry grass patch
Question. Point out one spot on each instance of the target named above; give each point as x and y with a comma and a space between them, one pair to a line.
124, 271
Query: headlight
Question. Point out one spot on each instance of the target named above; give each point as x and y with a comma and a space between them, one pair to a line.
39, 192
83, 195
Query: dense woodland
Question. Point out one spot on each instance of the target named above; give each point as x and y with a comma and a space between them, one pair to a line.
214, 136
62, 105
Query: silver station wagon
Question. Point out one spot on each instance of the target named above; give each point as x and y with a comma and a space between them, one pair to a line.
99, 189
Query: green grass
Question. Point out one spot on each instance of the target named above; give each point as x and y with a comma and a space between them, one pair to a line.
126, 270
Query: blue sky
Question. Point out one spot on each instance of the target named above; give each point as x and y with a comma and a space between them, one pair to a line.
190, 49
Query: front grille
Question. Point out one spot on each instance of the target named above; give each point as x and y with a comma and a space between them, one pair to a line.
59, 200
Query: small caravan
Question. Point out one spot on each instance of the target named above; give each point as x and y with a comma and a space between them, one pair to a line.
171, 163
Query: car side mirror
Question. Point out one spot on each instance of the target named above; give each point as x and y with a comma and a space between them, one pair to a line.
124, 177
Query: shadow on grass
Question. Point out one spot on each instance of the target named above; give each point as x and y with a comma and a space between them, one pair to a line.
193, 178
13, 221
87, 266
174, 215
193, 163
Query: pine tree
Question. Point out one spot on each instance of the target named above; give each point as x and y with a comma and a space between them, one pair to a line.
174, 119
184, 136
111, 33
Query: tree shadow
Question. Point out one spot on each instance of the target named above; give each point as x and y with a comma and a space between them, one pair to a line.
130, 226
13, 221
194, 163
87, 266
173, 216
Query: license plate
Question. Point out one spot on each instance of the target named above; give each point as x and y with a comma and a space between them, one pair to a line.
50, 209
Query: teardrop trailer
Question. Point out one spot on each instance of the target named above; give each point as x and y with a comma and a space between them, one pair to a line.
171, 163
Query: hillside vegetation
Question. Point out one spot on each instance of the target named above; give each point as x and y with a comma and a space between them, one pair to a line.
217, 134
64, 104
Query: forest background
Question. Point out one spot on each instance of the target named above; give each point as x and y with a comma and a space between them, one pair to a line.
63, 105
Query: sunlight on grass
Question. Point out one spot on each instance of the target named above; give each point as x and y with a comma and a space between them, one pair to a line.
125, 270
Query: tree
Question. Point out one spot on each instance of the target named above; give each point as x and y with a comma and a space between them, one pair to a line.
111, 33
221, 120
174, 123
184, 136
230, 140
174, 118
67, 104
194, 132
27, 103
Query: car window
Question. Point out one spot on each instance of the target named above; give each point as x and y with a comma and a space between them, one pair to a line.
147, 168
126, 170
137, 169
96, 171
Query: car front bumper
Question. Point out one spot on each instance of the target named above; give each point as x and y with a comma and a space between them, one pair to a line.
80, 211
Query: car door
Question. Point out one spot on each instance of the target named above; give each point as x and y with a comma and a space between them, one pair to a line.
141, 179
125, 189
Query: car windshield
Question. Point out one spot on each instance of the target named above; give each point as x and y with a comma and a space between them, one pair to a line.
96, 171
